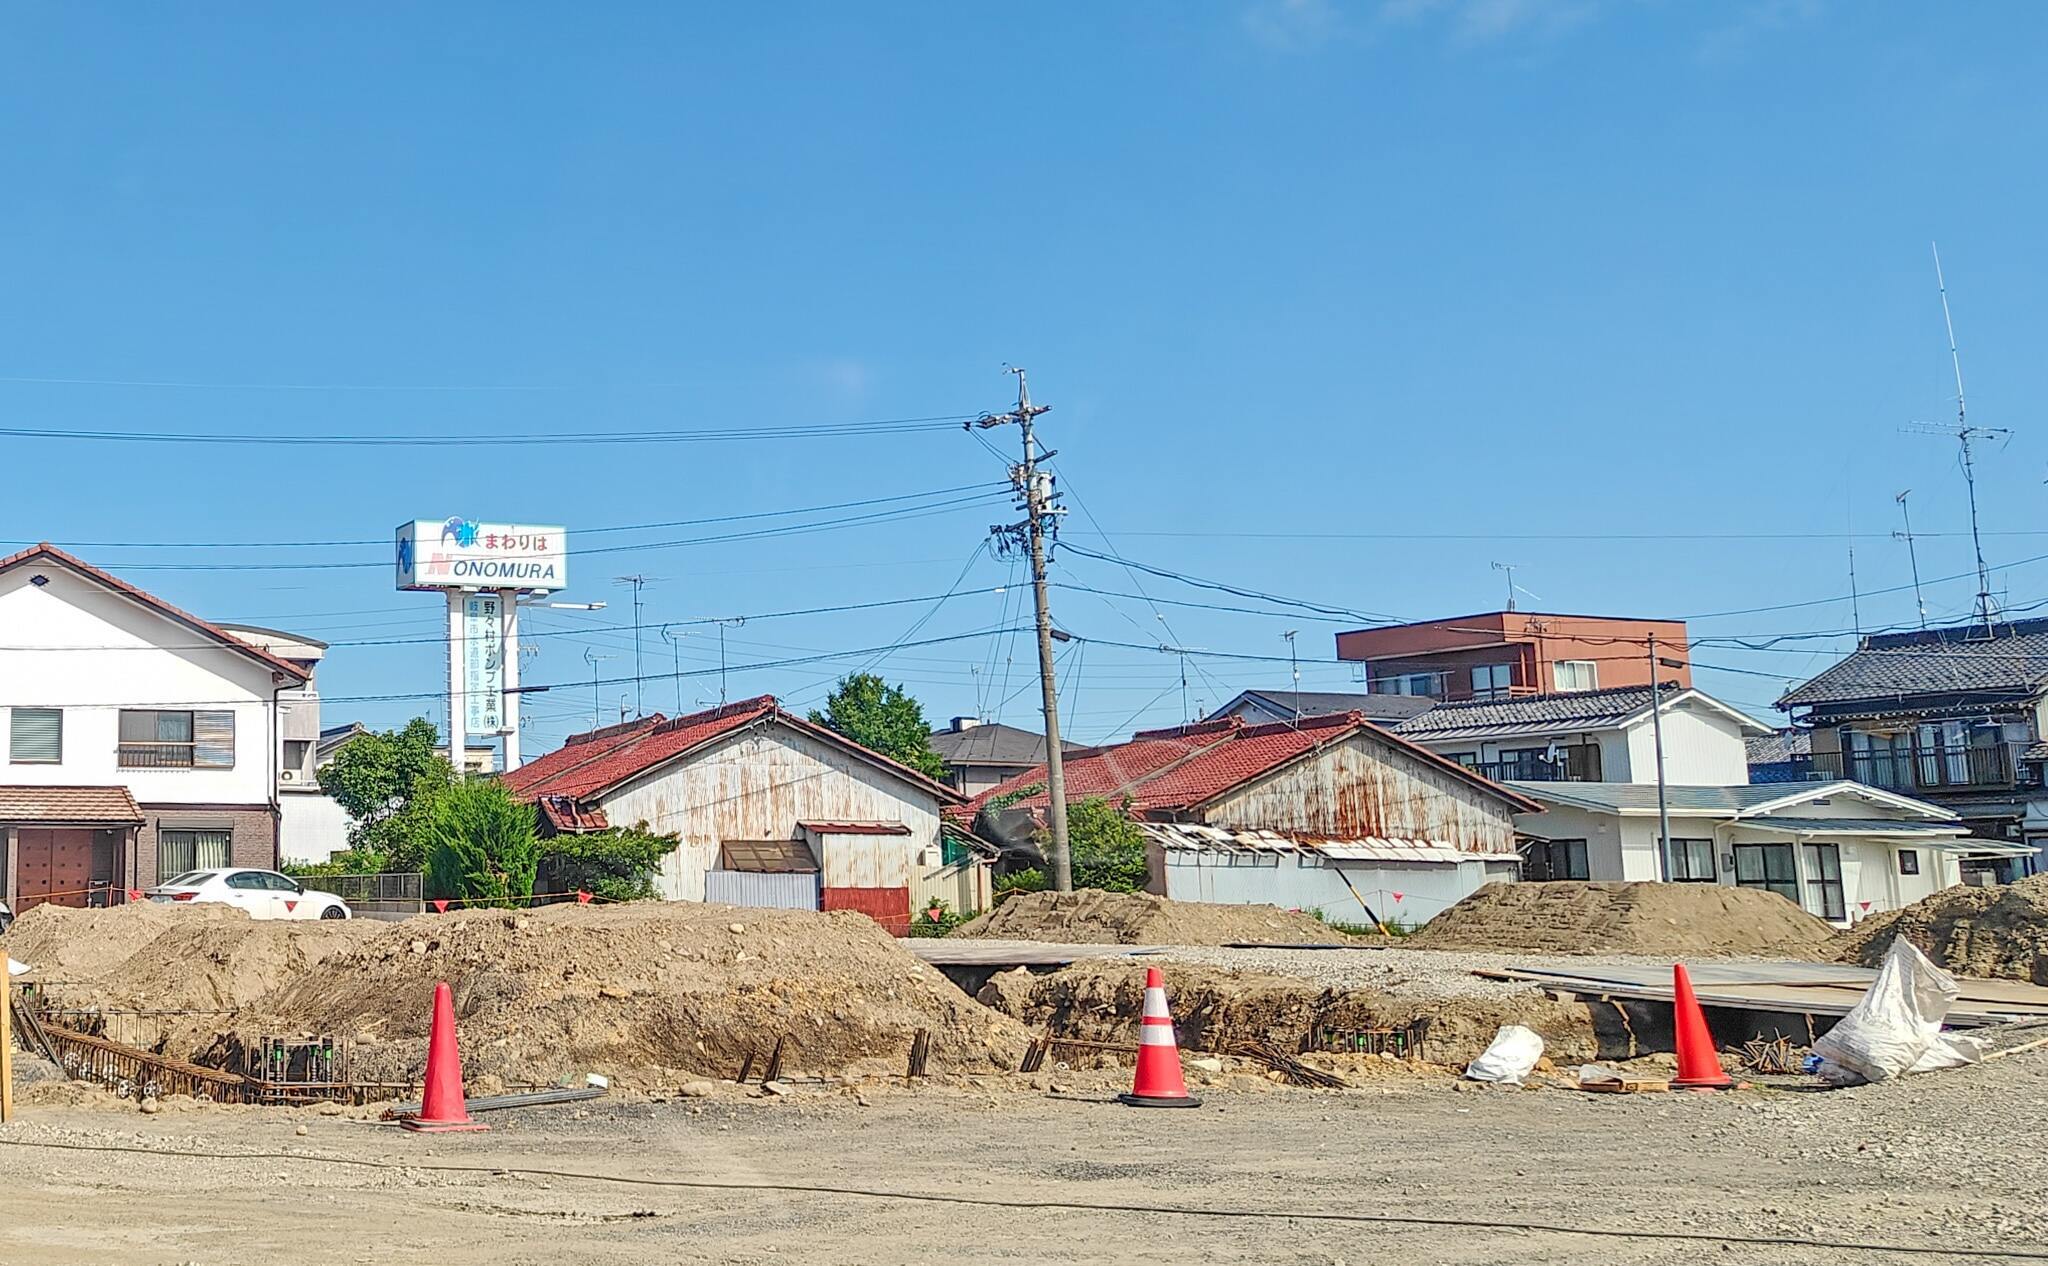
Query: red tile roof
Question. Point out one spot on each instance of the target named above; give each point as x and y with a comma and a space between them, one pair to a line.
562, 814
1181, 768
69, 806
154, 603
596, 762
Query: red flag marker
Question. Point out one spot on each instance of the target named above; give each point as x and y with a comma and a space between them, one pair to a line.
582, 897
440, 905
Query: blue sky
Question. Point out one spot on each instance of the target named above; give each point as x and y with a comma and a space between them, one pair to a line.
1343, 302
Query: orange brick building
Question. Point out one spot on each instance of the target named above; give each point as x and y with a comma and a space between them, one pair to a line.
1507, 654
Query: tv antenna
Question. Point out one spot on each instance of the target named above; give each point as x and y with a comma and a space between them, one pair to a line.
1294, 668
1966, 435
1911, 553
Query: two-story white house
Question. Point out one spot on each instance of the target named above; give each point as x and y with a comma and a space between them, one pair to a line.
139, 741
1591, 736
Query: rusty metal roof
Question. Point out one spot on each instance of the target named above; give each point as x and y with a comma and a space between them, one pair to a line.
856, 828
767, 857
69, 806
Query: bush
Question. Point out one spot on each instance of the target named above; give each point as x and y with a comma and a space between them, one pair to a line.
923, 924
481, 848
1030, 879
617, 865
1108, 849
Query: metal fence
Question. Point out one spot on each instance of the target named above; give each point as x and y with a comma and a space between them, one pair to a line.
388, 892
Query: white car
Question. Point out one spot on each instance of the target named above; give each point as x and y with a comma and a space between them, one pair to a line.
265, 894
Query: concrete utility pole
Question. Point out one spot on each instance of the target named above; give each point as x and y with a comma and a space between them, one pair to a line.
1038, 501
1657, 734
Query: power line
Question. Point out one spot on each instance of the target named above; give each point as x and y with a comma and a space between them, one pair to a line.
1200, 583
883, 426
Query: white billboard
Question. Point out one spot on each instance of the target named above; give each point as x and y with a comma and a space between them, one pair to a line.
468, 554
483, 663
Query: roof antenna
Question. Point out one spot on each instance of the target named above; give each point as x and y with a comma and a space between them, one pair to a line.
1509, 568
1987, 609
1911, 553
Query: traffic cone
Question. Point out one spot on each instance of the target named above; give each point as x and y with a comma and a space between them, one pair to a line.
442, 1110
1158, 1083
1699, 1066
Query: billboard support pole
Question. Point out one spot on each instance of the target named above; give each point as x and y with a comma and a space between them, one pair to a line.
457, 740
510, 649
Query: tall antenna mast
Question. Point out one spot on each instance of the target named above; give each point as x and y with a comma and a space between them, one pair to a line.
1509, 568
1294, 668
1964, 434
1911, 553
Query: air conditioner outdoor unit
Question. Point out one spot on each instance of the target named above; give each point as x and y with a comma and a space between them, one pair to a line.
288, 775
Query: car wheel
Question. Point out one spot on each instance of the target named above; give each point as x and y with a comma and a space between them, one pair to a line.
334, 912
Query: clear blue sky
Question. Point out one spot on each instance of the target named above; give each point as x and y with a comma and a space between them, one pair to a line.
1498, 269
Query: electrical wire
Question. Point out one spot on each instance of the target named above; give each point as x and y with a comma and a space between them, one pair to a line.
1367, 617
781, 1186
819, 430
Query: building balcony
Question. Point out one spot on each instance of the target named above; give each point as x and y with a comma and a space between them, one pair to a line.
1945, 768
1578, 764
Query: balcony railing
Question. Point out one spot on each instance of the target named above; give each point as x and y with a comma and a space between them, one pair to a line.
1575, 767
1922, 768
135, 755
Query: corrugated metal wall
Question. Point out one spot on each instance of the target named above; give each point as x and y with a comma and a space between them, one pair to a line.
748, 888
889, 907
1365, 786
1426, 890
852, 860
964, 886
757, 785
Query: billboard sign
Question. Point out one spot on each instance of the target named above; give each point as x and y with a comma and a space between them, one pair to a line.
483, 663
468, 554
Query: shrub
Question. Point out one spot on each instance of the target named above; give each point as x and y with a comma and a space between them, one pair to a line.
617, 865
481, 848
923, 924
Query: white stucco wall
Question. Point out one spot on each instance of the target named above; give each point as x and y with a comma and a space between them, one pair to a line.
75, 645
1701, 747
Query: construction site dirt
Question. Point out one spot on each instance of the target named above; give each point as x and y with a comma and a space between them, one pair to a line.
1402, 1168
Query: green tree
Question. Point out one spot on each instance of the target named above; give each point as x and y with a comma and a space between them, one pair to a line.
1108, 848
617, 865
481, 846
387, 783
882, 718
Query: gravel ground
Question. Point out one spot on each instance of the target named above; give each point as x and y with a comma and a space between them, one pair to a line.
1943, 1167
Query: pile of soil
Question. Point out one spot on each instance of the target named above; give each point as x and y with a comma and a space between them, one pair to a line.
1093, 917
1996, 932
1212, 1009
1672, 920
647, 993
185, 958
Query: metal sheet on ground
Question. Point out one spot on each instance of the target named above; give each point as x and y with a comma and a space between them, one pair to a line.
1819, 988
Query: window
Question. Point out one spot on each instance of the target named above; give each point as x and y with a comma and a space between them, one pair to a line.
1768, 866
180, 851
1430, 684
177, 740
35, 736
1576, 674
1689, 861
1909, 861
1544, 860
1491, 681
295, 751
1824, 876
249, 881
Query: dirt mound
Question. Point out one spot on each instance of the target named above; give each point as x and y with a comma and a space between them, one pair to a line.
1998, 932
1693, 920
640, 992
1212, 1009
1092, 917
199, 958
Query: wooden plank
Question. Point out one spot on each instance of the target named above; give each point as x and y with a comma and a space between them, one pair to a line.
1626, 1086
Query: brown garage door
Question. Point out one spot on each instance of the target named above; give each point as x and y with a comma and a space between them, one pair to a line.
55, 866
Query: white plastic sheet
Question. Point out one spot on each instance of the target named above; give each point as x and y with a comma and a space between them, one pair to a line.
1895, 1028
1510, 1057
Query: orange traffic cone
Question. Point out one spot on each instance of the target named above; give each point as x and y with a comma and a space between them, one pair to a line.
442, 1110
1699, 1066
1158, 1083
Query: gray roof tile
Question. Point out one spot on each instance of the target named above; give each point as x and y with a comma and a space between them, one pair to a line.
1935, 662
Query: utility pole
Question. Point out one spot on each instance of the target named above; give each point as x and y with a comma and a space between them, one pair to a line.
1039, 502
1911, 553
1657, 734
638, 582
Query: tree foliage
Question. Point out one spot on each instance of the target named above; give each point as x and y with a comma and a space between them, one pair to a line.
617, 865
1107, 848
884, 719
388, 783
481, 846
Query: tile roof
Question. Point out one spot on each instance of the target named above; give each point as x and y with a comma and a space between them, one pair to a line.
1934, 662
69, 806
1190, 765
109, 580
602, 759
1319, 703
991, 743
1578, 709
1779, 746
562, 814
